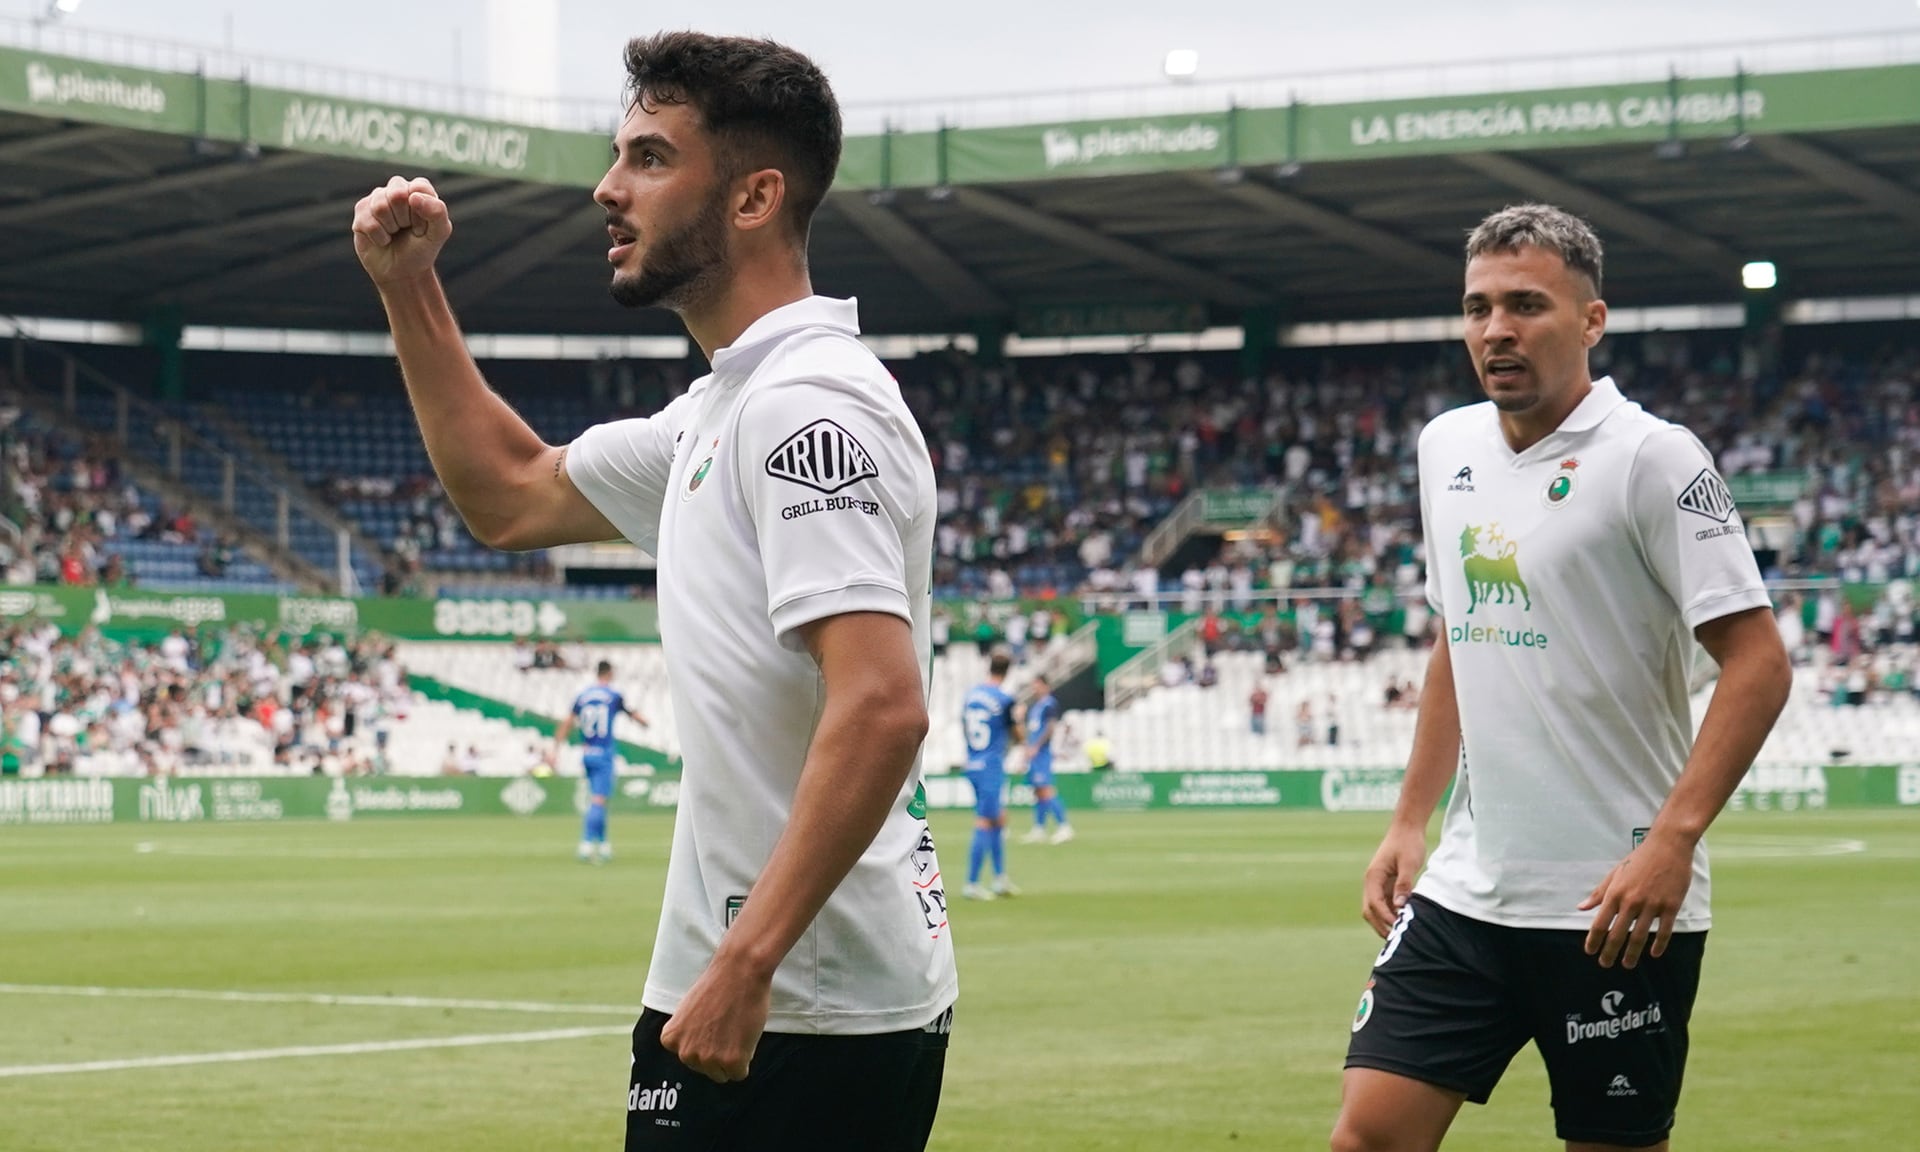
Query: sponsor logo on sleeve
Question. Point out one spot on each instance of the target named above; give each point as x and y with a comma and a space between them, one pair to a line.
822, 456
1707, 496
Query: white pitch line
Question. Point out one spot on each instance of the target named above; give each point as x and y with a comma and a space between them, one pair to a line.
309, 1050
322, 998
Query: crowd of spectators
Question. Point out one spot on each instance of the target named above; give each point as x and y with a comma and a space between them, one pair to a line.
228, 696
62, 502
1052, 471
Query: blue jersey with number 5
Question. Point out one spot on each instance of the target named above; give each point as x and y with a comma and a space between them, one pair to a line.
594, 710
987, 719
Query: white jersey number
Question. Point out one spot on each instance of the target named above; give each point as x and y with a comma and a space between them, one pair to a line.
1400, 926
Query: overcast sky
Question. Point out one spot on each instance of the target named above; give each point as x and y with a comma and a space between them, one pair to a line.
904, 50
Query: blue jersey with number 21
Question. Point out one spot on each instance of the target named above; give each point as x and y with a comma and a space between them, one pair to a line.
594, 710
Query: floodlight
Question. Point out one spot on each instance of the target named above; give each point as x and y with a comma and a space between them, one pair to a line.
1759, 275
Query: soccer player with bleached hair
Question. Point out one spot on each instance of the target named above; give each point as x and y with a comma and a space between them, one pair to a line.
1577, 547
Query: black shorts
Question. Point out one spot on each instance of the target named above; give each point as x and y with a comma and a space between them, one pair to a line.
1452, 1000
871, 1093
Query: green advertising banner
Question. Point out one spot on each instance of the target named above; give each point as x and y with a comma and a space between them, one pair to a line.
232, 110
1088, 148
71, 89
1751, 490
1235, 506
148, 615
1783, 788
235, 111
187, 800
413, 140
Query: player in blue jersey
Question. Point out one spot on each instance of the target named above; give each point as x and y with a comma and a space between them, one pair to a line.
1042, 718
988, 721
594, 710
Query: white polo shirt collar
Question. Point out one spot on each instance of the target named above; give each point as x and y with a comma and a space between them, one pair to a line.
763, 334
1601, 400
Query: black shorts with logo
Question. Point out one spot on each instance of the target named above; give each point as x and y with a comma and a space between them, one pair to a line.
803, 1092
1452, 999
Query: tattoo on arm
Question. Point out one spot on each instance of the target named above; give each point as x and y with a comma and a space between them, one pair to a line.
560, 462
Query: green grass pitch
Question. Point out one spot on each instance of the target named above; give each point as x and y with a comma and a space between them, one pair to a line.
1171, 980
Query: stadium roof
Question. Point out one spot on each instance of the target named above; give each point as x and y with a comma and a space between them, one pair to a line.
134, 194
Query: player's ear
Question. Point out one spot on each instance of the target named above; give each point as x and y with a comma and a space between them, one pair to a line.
1596, 322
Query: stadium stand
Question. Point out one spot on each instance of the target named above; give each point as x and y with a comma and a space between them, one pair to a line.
80, 521
227, 702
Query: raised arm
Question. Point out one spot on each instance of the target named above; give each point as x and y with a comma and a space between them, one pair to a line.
510, 487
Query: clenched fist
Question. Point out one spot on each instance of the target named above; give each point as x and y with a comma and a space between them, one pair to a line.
399, 229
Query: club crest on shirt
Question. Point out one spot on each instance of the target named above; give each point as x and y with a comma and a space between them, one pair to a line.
822, 456
699, 476
1559, 490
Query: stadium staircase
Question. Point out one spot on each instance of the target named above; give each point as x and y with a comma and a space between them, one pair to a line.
1205, 512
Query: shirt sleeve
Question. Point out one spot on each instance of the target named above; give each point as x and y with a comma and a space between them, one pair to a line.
622, 469
1689, 531
834, 479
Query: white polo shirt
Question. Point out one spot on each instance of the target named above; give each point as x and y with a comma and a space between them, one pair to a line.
1570, 578
788, 485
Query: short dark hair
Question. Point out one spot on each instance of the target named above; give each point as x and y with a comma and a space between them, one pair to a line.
1542, 226
766, 106
1000, 662
605, 668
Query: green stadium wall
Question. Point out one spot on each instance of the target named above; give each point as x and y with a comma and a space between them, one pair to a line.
83, 800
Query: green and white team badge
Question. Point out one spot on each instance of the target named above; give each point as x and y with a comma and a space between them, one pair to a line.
1364, 1012
699, 476
1559, 490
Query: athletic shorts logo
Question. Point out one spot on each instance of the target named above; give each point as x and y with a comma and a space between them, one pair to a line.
1616, 1022
1621, 1086
665, 1098
1364, 1012
823, 456
1707, 496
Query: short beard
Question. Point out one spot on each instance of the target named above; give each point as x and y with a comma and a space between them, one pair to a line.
682, 267
1516, 403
